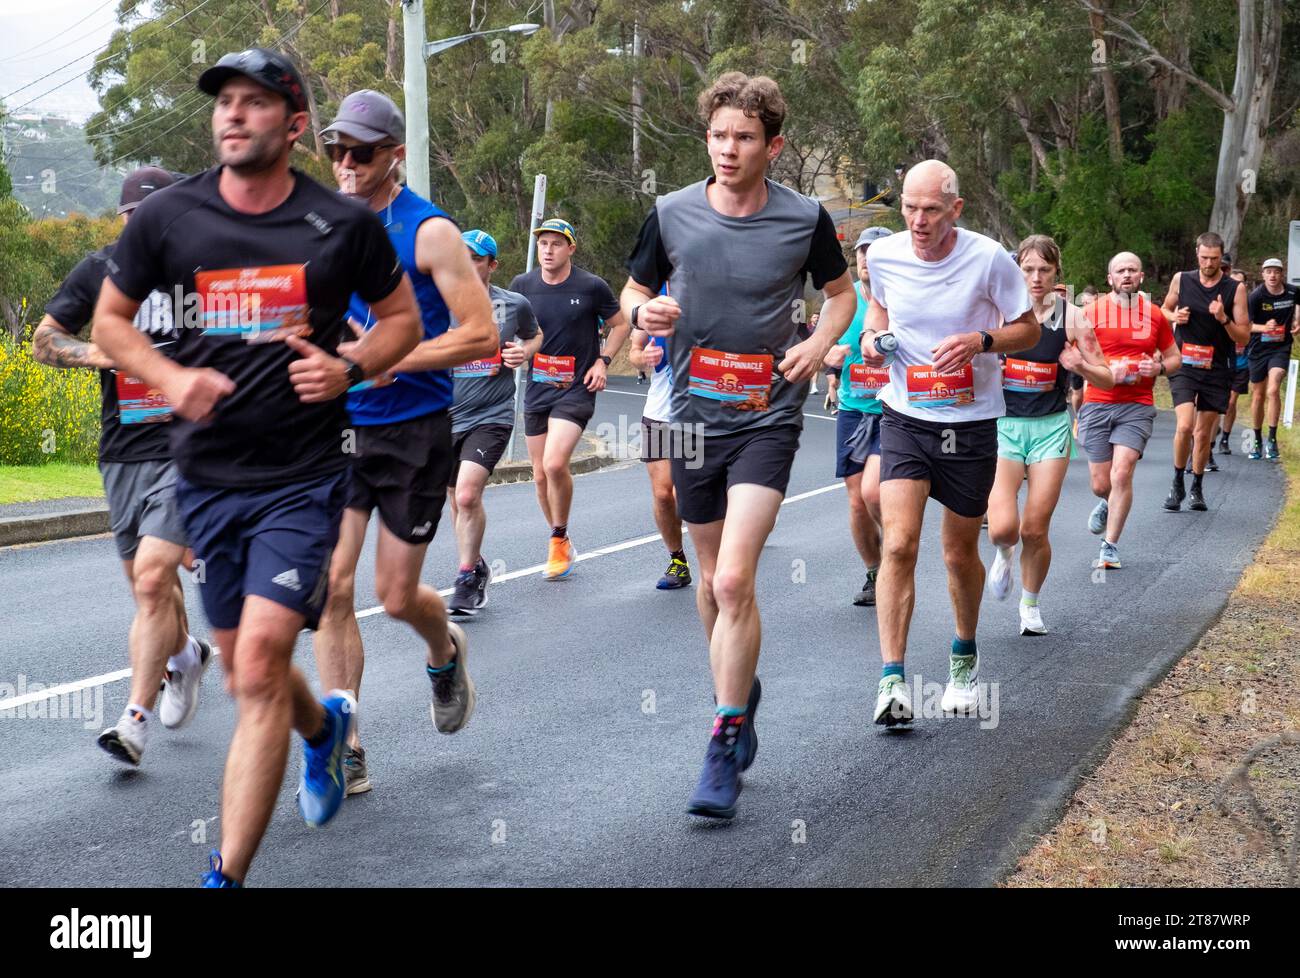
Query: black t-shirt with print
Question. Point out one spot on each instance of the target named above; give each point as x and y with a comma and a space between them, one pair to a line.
244, 278
569, 315
73, 307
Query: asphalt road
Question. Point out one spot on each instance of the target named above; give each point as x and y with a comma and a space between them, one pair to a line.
594, 706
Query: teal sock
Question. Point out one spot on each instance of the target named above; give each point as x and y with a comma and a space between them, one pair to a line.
732, 711
439, 670
963, 646
1029, 598
892, 669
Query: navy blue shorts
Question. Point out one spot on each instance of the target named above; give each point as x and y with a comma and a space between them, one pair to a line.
846, 422
275, 543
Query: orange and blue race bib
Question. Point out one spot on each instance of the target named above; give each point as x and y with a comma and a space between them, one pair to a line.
1131, 375
138, 403
1200, 357
738, 380
261, 304
1273, 334
479, 368
555, 371
1028, 376
866, 381
928, 388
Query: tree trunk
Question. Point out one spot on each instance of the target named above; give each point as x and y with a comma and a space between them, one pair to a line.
393, 46
1241, 147
1110, 91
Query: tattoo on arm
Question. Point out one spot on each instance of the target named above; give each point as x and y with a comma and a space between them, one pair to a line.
58, 348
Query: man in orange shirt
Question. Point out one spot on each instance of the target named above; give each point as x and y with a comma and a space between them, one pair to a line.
1114, 425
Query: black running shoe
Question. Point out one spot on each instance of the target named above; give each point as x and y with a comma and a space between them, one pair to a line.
1177, 493
1197, 504
1225, 447
1211, 465
464, 600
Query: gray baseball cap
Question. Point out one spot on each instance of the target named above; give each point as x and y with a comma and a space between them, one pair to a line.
871, 234
1272, 263
369, 116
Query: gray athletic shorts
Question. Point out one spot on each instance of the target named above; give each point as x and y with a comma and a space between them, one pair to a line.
1102, 426
142, 503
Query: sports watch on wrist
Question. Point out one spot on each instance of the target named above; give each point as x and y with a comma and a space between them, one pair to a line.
986, 340
606, 359
355, 374
635, 310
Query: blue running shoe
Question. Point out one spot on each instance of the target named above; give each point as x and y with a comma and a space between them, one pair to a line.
215, 879
320, 792
715, 796
747, 744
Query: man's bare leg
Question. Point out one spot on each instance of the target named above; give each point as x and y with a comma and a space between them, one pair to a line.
468, 512
902, 508
340, 655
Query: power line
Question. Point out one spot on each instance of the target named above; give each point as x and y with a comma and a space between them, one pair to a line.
65, 44
202, 4
61, 33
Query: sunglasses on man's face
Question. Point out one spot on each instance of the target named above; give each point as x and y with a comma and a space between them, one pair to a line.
362, 154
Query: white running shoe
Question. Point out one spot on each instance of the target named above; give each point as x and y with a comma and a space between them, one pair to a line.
962, 694
127, 738
180, 690
1031, 620
893, 702
999, 581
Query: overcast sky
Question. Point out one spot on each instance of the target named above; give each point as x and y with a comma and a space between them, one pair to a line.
39, 36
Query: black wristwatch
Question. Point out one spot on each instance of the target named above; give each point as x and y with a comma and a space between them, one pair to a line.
635, 310
606, 359
986, 338
355, 374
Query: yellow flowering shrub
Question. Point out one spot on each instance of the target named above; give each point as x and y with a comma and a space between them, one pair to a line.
46, 414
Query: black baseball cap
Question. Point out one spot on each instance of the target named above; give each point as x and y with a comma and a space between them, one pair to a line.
140, 183
270, 69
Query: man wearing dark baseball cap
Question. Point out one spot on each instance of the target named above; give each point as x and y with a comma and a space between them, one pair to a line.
268, 261
139, 482
404, 457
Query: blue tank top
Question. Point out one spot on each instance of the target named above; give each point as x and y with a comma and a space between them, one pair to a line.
414, 394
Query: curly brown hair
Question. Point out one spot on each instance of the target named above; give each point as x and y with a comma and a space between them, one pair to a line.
759, 96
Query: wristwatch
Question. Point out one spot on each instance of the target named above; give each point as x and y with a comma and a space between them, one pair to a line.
635, 310
355, 374
986, 338
606, 359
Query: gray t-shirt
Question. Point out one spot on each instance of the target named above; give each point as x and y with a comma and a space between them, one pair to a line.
485, 389
740, 283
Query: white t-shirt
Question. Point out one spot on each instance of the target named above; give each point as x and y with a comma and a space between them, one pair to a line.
978, 286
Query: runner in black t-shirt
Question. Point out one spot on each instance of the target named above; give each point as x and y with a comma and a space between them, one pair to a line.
139, 481
736, 251
568, 371
1275, 319
1208, 310
265, 260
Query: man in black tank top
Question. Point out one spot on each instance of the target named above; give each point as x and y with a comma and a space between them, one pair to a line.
1208, 310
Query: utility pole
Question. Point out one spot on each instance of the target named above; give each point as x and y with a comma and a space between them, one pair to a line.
415, 90
636, 101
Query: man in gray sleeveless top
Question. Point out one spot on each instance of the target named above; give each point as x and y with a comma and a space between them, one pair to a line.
735, 251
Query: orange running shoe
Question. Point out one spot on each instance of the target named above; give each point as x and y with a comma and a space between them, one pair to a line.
559, 561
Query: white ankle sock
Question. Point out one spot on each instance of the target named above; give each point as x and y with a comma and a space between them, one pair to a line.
186, 657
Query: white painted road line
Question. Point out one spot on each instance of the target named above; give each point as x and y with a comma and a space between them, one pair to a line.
54, 692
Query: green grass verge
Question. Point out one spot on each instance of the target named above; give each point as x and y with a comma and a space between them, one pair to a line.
32, 483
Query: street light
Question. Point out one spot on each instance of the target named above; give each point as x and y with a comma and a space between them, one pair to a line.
415, 88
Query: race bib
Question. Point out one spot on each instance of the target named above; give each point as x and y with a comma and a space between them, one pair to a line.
1273, 334
138, 403
928, 388
262, 304
1028, 376
865, 381
1131, 375
481, 368
739, 380
555, 371
1200, 357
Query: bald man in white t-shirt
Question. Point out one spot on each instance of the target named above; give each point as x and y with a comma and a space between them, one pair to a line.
953, 299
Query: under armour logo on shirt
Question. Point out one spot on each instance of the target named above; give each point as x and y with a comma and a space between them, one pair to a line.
575, 302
